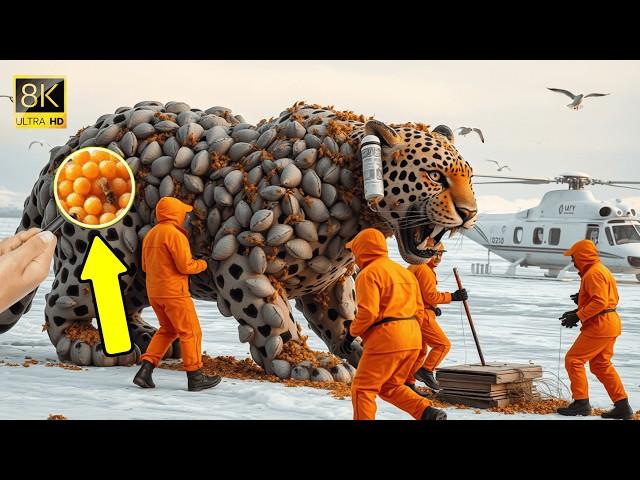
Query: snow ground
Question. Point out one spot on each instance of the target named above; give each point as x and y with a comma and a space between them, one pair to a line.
516, 321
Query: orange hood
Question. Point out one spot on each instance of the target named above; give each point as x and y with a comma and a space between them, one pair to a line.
173, 211
585, 255
367, 246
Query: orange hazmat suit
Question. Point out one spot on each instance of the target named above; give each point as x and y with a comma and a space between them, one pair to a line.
389, 294
432, 335
597, 300
167, 261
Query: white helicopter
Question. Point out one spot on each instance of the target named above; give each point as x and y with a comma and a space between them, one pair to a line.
538, 236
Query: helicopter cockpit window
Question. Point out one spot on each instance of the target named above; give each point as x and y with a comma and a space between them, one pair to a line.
554, 236
538, 235
609, 236
626, 234
593, 232
517, 235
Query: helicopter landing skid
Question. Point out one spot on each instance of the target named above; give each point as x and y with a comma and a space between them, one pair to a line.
511, 271
484, 270
563, 273
523, 277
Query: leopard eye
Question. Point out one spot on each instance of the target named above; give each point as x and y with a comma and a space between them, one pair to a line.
435, 176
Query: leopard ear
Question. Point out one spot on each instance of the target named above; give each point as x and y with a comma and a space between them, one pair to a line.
445, 131
390, 141
387, 135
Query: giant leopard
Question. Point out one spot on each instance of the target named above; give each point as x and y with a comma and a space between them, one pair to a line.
274, 204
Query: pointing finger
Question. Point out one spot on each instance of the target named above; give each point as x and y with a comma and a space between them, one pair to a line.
11, 243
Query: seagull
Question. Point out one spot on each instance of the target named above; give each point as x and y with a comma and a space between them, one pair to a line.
500, 167
7, 96
466, 130
38, 141
577, 100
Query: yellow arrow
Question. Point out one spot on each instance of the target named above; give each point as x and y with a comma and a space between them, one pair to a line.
103, 268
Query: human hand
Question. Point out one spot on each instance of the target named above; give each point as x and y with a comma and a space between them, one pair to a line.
345, 346
198, 257
569, 319
459, 295
11, 243
25, 259
575, 297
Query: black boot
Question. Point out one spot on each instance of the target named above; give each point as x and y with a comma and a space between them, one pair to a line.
143, 377
412, 386
431, 413
426, 377
577, 407
621, 410
199, 381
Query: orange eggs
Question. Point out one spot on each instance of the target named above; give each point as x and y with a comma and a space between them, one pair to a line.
119, 186
108, 208
106, 217
75, 200
90, 170
94, 187
65, 187
81, 185
72, 171
123, 201
108, 168
93, 205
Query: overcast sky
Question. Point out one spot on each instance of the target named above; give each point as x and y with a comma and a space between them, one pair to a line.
525, 125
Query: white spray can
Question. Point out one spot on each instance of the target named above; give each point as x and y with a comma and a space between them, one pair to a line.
371, 154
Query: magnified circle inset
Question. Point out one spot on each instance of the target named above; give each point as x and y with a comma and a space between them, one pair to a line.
94, 187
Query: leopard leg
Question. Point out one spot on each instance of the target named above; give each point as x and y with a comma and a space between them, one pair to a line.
261, 308
326, 312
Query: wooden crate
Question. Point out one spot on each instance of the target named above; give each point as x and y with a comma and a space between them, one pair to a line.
492, 373
478, 402
450, 385
496, 384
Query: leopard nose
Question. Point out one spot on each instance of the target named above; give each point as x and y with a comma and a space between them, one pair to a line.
465, 213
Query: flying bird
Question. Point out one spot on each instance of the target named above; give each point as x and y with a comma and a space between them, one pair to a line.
7, 96
576, 103
466, 130
38, 142
500, 167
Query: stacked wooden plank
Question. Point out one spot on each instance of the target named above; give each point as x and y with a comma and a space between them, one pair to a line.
495, 384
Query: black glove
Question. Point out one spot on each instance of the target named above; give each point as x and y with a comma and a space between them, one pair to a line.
567, 313
438, 312
459, 295
574, 297
570, 319
345, 347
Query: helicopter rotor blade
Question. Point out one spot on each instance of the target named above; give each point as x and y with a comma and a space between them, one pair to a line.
620, 186
611, 182
615, 183
519, 182
537, 180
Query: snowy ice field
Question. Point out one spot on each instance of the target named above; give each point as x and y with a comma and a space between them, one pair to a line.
516, 321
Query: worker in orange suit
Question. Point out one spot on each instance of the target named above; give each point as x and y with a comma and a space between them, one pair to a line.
390, 311
167, 261
597, 301
433, 337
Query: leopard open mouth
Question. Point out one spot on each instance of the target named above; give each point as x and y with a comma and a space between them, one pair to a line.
419, 238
